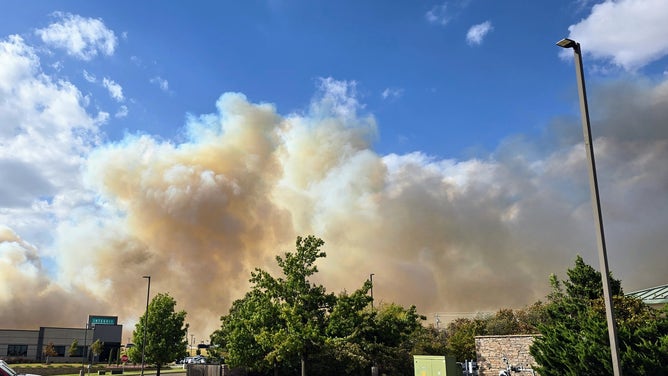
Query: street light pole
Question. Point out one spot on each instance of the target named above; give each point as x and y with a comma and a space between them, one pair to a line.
143, 345
371, 279
596, 203
84, 356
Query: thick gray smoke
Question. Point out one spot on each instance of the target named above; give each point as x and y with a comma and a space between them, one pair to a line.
199, 215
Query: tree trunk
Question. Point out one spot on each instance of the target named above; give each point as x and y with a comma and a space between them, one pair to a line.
303, 359
157, 372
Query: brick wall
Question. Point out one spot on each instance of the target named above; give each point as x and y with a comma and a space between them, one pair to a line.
490, 351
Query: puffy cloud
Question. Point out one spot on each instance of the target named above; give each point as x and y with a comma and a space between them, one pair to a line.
83, 38
468, 235
46, 136
477, 33
115, 90
616, 31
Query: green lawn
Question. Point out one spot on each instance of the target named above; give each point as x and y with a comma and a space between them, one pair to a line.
73, 369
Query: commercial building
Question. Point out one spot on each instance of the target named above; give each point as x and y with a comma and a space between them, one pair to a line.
655, 297
29, 345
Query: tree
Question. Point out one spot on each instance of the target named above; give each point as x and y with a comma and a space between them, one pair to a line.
113, 356
96, 348
302, 306
165, 333
429, 340
393, 330
574, 338
348, 334
74, 348
461, 336
49, 351
285, 323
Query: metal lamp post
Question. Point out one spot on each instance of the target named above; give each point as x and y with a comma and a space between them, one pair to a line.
143, 345
84, 352
596, 203
371, 279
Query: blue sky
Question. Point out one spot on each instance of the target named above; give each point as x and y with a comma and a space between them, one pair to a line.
437, 141
444, 95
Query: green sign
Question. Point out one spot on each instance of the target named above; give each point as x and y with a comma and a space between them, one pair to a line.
103, 320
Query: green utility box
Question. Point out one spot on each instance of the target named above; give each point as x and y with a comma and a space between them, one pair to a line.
436, 365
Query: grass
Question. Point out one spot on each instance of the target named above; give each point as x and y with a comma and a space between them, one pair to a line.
73, 369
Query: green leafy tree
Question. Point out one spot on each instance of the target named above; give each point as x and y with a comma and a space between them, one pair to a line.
574, 338
429, 340
393, 342
74, 348
96, 348
347, 329
113, 356
249, 318
286, 322
461, 336
165, 333
302, 306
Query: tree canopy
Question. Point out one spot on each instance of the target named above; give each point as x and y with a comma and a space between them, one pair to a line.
286, 322
165, 333
574, 338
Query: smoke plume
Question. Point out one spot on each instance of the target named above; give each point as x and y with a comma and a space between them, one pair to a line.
199, 214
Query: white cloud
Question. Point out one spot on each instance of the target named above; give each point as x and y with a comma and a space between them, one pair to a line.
439, 14
43, 149
83, 38
122, 112
336, 97
478, 32
390, 93
89, 77
161, 82
115, 90
630, 33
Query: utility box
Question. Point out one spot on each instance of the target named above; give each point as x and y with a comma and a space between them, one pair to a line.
436, 365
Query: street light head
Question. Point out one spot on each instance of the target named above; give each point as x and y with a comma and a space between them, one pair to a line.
567, 43
147, 276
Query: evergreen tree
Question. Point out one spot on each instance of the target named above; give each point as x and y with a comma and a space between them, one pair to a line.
574, 339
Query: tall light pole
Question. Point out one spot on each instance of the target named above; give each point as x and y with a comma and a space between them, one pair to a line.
371, 279
84, 350
596, 203
143, 344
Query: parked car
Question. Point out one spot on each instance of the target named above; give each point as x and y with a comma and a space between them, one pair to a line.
199, 359
6, 370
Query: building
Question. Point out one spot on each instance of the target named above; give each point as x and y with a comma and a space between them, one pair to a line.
655, 297
29, 345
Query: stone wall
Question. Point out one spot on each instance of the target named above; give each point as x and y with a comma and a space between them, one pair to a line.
490, 351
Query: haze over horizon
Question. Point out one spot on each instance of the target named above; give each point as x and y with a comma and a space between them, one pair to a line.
124, 153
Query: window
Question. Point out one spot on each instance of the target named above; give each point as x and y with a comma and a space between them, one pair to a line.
78, 352
17, 350
60, 350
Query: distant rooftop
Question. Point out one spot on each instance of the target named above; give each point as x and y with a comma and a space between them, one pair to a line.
653, 295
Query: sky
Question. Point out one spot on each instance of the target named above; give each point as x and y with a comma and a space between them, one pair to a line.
437, 145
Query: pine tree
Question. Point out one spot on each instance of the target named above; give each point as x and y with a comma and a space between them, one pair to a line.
574, 338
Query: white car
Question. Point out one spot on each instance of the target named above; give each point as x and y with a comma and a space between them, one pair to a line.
6, 370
